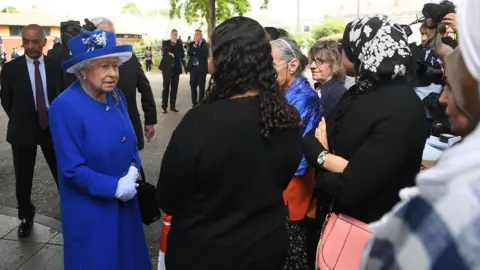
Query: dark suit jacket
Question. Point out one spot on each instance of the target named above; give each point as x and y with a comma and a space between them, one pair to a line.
201, 53
168, 62
17, 98
132, 78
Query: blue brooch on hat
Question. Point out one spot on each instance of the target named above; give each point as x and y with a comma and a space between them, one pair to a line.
94, 45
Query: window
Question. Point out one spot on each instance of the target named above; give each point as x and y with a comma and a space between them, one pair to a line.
15, 31
47, 30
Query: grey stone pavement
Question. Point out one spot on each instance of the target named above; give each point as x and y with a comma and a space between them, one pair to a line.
43, 249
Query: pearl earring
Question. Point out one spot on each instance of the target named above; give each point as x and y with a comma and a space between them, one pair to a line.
84, 78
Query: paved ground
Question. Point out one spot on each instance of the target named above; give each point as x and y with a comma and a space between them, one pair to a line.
46, 244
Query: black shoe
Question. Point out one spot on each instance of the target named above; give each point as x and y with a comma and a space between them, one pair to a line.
25, 227
173, 110
164, 110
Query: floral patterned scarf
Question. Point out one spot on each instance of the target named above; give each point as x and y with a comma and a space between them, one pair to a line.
379, 49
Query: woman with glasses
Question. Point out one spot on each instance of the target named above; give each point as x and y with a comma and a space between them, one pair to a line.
327, 69
290, 63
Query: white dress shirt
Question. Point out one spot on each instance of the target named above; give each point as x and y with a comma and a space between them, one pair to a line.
43, 74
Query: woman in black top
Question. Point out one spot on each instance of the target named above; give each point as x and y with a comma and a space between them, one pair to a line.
327, 69
229, 160
372, 145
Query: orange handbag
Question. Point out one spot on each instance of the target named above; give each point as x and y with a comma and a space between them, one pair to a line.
342, 242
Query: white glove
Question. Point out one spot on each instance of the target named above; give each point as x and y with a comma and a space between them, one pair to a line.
127, 186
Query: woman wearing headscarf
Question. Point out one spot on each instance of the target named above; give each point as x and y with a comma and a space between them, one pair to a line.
371, 146
97, 155
438, 228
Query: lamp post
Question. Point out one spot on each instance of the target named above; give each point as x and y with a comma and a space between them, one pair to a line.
358, 9
298, 17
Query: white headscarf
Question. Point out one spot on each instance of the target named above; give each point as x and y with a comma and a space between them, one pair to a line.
468, 18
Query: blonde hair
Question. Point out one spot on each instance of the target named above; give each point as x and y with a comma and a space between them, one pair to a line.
329, 48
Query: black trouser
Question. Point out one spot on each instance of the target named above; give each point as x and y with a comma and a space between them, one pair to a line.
24, 163
184, 64
148, 64
313, 236
197, 79
172, 79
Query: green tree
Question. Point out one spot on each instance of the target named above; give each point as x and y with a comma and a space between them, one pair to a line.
194, 11
10, 9
328, 28
305, 40
131, 8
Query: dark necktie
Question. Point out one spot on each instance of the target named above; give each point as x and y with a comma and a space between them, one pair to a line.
39, 93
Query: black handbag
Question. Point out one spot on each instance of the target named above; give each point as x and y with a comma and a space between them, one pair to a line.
147, 200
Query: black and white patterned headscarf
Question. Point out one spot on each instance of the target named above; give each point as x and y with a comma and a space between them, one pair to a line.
379, 49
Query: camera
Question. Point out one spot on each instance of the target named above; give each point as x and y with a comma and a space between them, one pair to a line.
428, 73
436, 12
69, 29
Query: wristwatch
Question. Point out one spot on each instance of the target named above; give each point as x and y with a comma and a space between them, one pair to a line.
321, 157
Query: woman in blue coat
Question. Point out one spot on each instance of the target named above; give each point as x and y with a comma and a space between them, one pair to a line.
97, 157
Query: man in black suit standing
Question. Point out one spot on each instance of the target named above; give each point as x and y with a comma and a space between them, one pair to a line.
28, 86
171, 67
133, 79
198, 66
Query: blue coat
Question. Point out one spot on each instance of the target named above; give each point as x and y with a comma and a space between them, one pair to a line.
95, 144
302, 96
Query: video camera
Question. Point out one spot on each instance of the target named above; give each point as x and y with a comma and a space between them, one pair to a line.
69, 29
436, 12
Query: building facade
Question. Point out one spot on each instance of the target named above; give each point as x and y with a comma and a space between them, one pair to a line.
12, 24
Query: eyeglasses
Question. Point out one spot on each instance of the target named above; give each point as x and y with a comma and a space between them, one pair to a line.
318, 61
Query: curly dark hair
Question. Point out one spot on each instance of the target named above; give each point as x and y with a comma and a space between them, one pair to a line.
242, 56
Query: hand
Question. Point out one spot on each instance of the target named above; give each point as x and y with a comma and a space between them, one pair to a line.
127, 186
441, 49
149, 132
321, 133
451, 20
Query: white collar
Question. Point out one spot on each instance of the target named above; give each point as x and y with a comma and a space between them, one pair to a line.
30, 60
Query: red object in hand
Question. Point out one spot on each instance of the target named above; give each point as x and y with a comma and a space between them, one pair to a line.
167, 219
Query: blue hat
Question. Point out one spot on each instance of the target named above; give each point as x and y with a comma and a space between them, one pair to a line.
94, 45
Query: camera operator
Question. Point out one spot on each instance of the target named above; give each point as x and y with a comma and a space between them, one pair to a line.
439, 23
438, 227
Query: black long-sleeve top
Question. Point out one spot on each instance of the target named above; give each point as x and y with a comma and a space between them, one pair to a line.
382, 135
223, 184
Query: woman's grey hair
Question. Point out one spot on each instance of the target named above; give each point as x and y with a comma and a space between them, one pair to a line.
100, 20
290, 51
329, 49
83, 65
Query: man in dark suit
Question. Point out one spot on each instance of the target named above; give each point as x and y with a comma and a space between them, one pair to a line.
131, 79
171, 67
28, 86
198, 66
